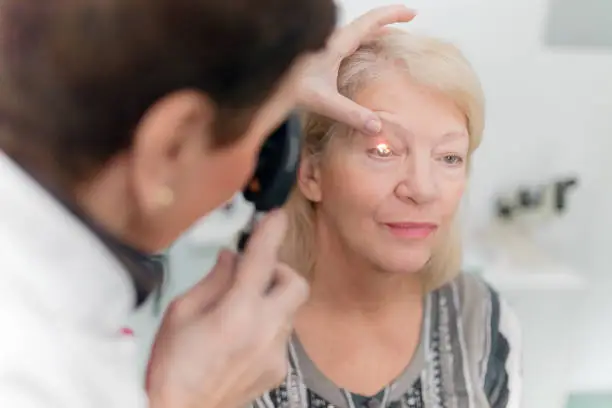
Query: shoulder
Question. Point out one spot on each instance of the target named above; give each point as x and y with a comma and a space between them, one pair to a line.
491, 334
487, 321
471, 288
474, 299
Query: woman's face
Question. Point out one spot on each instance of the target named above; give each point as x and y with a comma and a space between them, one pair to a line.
390, 198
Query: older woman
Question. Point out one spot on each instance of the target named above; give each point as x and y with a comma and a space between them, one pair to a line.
391, 321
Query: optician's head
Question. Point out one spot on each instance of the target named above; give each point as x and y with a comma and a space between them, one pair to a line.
390, 200
149, 113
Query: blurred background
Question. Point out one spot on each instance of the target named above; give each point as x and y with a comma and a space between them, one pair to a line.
535, 218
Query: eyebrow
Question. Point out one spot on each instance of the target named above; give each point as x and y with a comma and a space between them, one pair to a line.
454, 134
389, 118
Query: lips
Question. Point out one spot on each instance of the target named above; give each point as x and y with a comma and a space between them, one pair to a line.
412, 230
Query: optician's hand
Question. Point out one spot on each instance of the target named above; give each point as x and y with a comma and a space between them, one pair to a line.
224, 343
318, 90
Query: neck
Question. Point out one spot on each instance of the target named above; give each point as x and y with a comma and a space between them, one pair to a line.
347, 282
102, 201
108, 202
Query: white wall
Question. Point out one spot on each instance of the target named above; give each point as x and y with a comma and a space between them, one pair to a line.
549, 114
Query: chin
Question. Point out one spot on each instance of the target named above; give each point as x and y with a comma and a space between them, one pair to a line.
404, 262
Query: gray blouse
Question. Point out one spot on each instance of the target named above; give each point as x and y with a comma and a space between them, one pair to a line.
468, 357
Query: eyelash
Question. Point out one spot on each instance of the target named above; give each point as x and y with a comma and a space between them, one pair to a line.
375, 150
451, 159
458, 159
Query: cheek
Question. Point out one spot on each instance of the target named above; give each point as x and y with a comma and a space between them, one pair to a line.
452, 192
233, 174
216, 181
350, 189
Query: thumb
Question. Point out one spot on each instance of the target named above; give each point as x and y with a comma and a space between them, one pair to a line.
342, 109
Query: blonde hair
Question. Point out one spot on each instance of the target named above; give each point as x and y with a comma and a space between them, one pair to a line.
429, 62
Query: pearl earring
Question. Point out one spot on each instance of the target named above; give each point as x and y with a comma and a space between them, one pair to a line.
164, 197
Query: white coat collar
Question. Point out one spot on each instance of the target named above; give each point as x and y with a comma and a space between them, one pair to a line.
54, 259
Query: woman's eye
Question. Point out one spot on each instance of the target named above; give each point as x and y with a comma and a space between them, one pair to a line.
452, 159
382, 150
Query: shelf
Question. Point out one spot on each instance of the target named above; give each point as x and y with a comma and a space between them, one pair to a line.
506, 275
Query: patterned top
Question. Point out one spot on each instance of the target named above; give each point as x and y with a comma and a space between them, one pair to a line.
468, 357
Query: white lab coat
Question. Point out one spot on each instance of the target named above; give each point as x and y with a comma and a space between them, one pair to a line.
63, 302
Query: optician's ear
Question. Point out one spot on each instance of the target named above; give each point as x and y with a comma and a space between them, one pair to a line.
309, 178
170, 138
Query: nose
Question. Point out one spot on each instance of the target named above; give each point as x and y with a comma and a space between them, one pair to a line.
418, 182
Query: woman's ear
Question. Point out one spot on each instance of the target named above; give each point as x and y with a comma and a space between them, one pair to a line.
309, 178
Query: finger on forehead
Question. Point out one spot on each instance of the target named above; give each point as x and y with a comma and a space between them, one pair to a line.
389, 118
392, 126
350, 37
257, 264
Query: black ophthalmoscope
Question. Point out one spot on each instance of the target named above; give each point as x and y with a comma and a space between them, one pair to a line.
275, 173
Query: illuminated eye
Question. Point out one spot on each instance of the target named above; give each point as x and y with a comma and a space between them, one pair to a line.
383, 150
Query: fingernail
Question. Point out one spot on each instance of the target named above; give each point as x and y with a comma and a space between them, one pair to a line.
373, 126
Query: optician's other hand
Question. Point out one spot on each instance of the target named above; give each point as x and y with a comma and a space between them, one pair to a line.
224, 342
318, 91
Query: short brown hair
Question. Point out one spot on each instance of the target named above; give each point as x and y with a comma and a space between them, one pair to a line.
78, 75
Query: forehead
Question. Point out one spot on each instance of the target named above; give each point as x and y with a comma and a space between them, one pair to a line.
422, 110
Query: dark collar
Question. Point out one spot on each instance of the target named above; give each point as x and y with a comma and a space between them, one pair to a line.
146, 270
